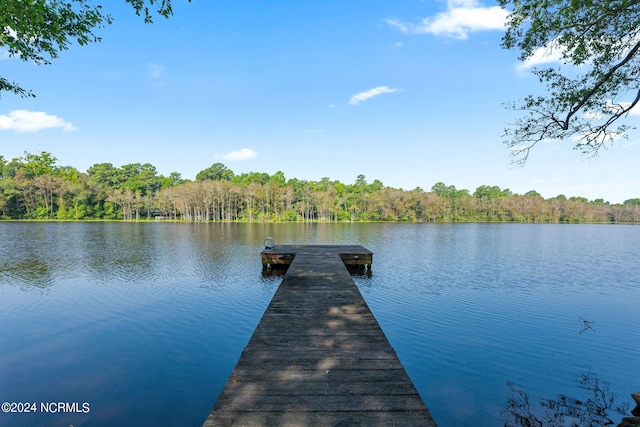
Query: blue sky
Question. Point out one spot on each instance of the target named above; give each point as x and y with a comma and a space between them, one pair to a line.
407, 92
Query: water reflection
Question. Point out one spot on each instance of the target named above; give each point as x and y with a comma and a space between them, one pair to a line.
360, 270
593, 409
274, 270
29, 272
636, 410
586, 326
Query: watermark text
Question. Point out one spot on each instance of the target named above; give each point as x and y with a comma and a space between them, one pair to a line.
47, 407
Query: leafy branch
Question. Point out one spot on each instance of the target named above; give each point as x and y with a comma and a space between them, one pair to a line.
599, 46
38, 30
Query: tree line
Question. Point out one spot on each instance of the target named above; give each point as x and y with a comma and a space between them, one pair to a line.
34, 186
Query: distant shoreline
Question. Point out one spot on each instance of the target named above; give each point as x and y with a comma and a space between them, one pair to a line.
179, 221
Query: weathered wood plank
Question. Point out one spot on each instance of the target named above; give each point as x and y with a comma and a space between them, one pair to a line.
320, 419
319, 388
258, 401
255, 355
292, 374
318, 356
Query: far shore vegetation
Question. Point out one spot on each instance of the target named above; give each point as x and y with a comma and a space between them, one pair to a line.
34, 187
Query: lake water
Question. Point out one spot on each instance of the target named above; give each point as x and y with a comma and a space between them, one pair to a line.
141, 324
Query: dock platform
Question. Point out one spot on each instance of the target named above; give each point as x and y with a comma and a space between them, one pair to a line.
351, 255
318, 357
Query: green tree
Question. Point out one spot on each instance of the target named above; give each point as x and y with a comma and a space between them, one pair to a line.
251, 177
172, 180
215, 172
579, 199
376, 185
443, 190
148, 180
597, 82
37, 31
440, 188
39, 164
491, 192
106, 174
278, 177
9, 198
10, 169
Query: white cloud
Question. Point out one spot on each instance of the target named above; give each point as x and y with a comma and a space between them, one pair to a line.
363, 96
592, 115
461, 18
542, 55
612, 108
242, 154
32, 121
405, 28
635, 111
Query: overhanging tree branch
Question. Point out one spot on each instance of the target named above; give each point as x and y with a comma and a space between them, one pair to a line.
601, 37
632, 53
37, 30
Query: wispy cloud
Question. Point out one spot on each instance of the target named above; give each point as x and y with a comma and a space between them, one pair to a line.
630, 144
459, 19
156, 73
32, 121
368, 94
242, 154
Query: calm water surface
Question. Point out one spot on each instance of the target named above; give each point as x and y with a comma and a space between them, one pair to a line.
144, 322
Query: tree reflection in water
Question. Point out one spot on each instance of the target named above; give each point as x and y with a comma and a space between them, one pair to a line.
564, 411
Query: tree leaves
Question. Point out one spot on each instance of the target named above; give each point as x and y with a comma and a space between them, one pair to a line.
38, 30
597, 82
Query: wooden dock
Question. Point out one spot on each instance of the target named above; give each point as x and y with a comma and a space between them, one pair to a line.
318, 356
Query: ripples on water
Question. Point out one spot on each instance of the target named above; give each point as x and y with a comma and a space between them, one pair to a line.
472, 307
146, 321
142, 321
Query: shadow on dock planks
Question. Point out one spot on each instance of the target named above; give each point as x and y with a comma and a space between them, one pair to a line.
318, 357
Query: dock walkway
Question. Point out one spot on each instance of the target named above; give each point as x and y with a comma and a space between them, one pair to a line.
318, 357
